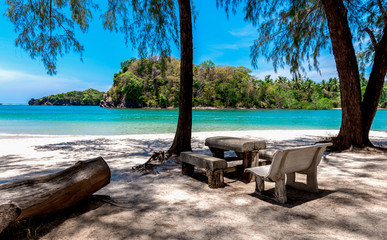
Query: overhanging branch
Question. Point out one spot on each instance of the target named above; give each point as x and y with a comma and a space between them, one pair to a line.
383, 12
372, 37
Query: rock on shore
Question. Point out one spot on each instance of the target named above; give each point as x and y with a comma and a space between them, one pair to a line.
122, 102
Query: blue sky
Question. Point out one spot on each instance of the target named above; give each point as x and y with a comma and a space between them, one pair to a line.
224, 41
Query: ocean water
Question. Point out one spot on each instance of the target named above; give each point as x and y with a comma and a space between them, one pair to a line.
81, 120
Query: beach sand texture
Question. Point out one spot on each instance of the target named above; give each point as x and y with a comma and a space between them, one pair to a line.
351, 203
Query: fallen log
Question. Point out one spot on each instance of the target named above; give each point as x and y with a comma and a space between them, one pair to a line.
48, 193
9, 212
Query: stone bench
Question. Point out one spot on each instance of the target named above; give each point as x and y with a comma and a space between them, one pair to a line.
287, 162
214, 167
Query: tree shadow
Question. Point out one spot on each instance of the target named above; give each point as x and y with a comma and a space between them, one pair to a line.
170, 205
295, 197
38, 226
162, 206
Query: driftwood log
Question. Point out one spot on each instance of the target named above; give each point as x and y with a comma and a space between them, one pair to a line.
48, 193
9, 212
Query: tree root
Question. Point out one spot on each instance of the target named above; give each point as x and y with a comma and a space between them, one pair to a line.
153, 162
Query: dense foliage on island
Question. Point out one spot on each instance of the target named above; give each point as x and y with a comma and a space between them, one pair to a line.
89, 97
149, 83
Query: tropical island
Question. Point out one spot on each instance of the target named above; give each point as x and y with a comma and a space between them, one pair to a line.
89, 97
146, 83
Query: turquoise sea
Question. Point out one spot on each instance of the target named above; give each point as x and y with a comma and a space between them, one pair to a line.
81, 120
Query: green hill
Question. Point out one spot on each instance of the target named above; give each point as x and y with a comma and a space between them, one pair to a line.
142, 83
89, 97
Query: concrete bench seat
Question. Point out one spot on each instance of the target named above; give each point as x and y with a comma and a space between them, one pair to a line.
214, 167
287, 162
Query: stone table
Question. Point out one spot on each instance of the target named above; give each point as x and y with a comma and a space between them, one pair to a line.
245, 149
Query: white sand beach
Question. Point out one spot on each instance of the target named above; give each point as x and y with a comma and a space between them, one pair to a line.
351, 203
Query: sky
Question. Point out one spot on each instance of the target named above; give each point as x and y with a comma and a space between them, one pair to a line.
216, 38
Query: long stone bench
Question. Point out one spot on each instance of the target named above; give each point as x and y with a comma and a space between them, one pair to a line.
214, 167
287, 162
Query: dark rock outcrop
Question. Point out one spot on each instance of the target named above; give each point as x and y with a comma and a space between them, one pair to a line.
122, 102
41, 101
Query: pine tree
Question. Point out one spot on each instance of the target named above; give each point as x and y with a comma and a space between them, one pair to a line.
45, 31
292, 32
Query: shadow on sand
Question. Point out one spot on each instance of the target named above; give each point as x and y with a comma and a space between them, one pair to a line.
140, 199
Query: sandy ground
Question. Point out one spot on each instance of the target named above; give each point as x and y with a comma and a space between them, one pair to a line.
351, 203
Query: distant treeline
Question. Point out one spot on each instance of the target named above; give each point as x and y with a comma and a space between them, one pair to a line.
89, 97
142, 83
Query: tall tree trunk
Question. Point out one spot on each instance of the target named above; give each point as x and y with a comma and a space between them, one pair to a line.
351, 130
182, 141
375, 86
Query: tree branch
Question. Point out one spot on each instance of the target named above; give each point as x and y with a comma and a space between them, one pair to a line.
372, 36
50, 20
383, 12
55, 17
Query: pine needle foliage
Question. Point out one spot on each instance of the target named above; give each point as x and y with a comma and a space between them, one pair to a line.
46, 31
294, 32
46, 28
149, 25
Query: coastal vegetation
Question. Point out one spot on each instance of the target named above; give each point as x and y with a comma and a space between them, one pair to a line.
142, 83
89, 97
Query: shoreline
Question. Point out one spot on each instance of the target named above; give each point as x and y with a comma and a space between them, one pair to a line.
194, 134
52, 151
172, 134
144, 144
173, 108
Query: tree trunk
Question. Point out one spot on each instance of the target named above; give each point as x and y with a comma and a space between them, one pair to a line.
375, 86
351, 130
45, 194
182, 141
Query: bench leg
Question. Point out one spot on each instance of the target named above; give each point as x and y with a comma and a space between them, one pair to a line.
290, 178
259, 184
215, 178
311, 181
248, 159
254, 155
187, 169
219, 153
280, 190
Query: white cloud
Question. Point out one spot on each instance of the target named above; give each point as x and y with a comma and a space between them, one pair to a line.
225, 46
212, 55
327, 69
242, 43
247, 30
103, 88
16, 76
261, 74
326, 73
11, 76
19, 87
327, 66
